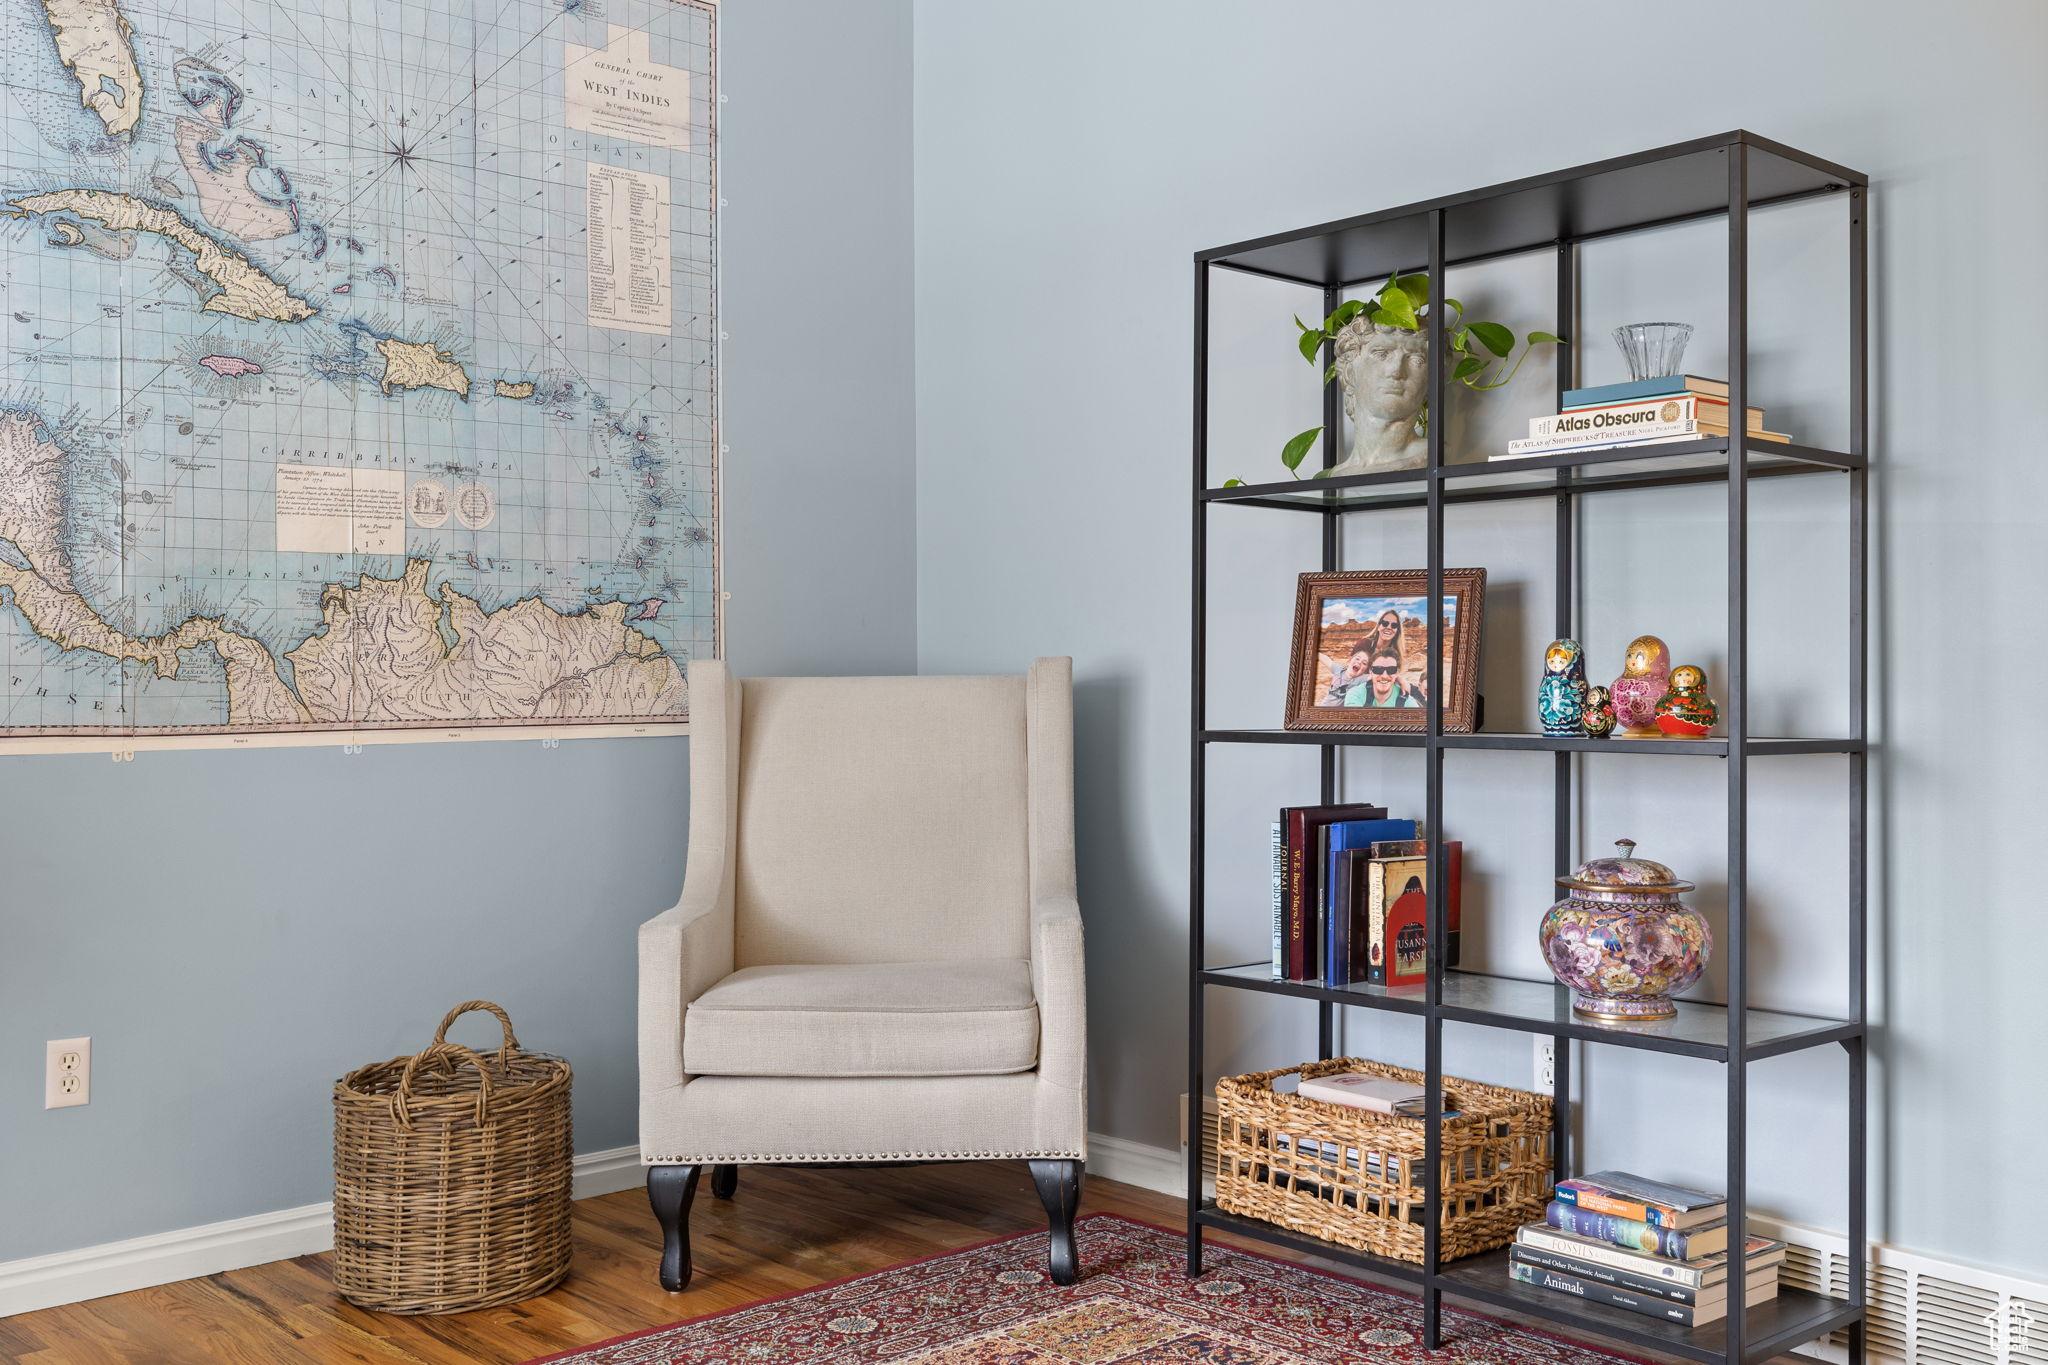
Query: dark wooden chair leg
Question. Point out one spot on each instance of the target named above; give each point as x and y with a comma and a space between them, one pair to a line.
1059, 1189
724, 1180
670, 1190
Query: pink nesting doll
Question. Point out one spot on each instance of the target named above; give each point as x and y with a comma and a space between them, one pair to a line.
1645, 677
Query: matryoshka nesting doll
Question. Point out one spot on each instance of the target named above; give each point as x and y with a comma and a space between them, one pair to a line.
1645, 676
1599, 713
1686, 711
1561, 697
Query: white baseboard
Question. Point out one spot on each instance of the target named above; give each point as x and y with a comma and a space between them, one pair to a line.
141, 1262
1137, 1163
187, 1253
609, 1172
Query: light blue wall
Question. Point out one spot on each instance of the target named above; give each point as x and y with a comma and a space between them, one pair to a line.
1070, 158
235, 930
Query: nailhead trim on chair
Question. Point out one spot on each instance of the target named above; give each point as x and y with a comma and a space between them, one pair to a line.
734, 1158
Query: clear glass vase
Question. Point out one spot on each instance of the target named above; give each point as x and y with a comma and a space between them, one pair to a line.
1653, 349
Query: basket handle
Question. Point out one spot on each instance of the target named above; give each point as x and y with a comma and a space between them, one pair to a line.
446, 1056
505, 1049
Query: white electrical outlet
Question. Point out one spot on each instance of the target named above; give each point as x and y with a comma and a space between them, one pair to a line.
1546, 1065
67, 1073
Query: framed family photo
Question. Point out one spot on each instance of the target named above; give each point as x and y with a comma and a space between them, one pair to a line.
1361, 650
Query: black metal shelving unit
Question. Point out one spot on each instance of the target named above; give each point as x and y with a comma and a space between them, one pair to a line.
1725, 176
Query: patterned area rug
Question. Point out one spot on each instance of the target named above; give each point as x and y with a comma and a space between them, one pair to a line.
994, 1305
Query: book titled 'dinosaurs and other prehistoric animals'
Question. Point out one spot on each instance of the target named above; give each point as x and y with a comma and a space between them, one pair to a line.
1764, 1288
1713, 1290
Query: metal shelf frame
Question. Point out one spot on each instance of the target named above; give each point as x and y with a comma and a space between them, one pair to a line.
1724, 176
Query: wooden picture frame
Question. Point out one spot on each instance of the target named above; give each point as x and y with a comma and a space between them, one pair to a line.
1342, 617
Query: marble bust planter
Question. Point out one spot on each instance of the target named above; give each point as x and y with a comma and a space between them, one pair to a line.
1385, 374
1379, 351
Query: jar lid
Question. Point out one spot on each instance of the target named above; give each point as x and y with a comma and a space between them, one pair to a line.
1625, 872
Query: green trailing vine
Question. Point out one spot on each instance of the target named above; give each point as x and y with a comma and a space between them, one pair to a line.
1482, 348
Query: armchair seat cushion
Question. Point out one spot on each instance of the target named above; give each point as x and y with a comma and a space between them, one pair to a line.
961, 1018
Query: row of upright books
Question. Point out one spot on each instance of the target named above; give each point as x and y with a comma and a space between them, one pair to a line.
1678, 407
1651, 1248
1350, 897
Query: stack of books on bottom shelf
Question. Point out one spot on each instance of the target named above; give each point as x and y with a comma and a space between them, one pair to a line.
1651, 1248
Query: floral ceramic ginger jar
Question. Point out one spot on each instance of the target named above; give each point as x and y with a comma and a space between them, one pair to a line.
1623, 940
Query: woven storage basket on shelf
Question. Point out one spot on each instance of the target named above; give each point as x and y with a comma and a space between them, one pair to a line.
451, 1176
1354, 1177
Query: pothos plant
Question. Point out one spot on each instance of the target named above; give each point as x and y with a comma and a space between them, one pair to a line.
1482, 348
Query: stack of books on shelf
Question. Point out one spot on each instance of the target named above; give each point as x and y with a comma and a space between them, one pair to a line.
1651, 1248
1349, 897
1678, 407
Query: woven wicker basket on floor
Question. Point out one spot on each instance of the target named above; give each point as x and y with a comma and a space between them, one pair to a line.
1354, 1177
451, 1176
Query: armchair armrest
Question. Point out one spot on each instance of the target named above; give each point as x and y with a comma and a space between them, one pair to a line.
688, 948
1059, 981
684, 951
1058, 970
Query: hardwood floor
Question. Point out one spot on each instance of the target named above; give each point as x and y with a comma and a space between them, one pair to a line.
787, 1229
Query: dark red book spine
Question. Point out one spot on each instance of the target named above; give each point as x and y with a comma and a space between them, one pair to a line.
1299, 942
1304, 878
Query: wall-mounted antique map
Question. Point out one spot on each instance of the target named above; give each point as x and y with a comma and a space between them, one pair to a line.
359, 368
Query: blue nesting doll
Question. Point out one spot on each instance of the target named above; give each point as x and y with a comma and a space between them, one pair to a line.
1561, 700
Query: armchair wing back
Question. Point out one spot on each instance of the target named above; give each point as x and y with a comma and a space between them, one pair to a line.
882, 820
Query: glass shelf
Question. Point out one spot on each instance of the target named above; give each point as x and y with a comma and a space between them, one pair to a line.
1700, 1030
1791, 1319
1575, 472
1763, 746
1794, 1317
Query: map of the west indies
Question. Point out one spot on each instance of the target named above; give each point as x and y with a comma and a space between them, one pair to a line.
359, 367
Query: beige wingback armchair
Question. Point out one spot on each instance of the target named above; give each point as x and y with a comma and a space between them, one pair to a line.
877, 953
